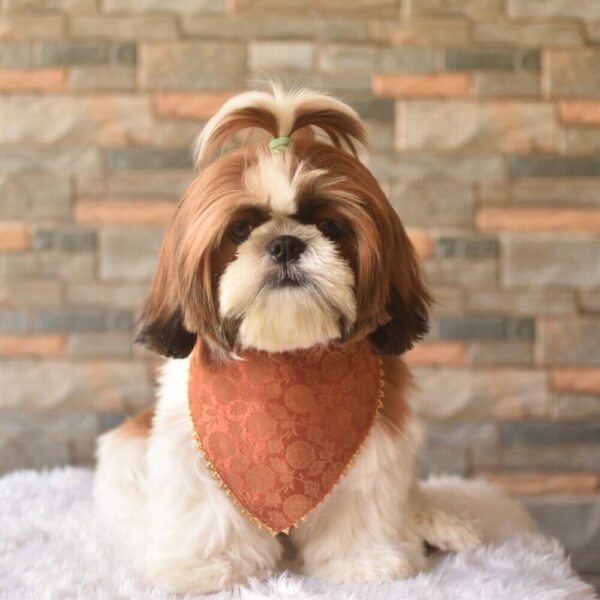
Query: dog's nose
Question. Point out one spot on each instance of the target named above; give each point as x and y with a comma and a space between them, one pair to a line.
286, 248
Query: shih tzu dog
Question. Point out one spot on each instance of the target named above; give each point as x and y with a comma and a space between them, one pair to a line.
285, 293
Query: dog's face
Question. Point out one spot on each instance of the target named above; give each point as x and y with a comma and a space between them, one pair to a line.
285, 251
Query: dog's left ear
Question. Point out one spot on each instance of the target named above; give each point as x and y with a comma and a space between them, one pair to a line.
408, 302
163, 329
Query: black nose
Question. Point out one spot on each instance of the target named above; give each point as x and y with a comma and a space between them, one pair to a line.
286, 248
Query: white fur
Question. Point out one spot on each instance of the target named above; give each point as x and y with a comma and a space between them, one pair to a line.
282, 104
274, 183
174, 516
278, 319
188, 534
51, 547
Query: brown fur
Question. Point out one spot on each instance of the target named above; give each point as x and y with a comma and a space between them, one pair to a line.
392, 301
398, 382
138, 425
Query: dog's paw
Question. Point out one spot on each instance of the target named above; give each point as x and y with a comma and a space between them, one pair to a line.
382, 563
202, 576
448, 532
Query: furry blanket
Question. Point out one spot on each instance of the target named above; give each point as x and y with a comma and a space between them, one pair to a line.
50, 548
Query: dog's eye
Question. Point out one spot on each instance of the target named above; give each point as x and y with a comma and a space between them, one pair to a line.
240, 230
329, 228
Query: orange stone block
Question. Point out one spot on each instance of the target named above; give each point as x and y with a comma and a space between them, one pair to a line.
534, 219
579, 112
32, 345
437, 353
422, 242
445, 85
14, 237
32, 80
576, 379
110, 212
189, 105
532, 484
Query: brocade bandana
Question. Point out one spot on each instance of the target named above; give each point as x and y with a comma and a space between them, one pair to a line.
279, 430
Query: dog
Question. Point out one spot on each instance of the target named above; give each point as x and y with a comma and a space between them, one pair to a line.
286, 292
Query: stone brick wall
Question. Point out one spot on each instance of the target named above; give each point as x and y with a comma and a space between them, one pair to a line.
485, 125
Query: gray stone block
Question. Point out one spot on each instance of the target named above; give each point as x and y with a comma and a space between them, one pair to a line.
442, 461
62, 266
559, 9
574, 72
462, 434
123, 27
14, 320
69, 6
102, 78
15, 55
31, 292
102, 345
550, 260
35, 196
517, 302
40, 439
554, 191
64, 239
339, 58
83, 53
544, 432
192, 66
179, 6
110, 420
433, 202
76, 120
590, 301
118, 295
571, 341
137, 159
554, 166
467, 247
274, 27
573, 520
486, 328
129, 255
454, 8
579, 140
466, 272
451, 125
460, 393
533, 34
522, 84
572, 407
374, 109
57, 160
469, 59
82, 319
280, 56
510, 353
466, 167
130, 184
82, 385
520, 457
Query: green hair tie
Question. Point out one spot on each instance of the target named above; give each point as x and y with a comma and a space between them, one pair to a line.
277, 144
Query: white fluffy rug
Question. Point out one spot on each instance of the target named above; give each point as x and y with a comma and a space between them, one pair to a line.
51, 549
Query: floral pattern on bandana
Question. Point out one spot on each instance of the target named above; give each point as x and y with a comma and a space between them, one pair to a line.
279, 430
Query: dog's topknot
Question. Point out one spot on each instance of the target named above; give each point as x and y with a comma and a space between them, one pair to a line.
281, 114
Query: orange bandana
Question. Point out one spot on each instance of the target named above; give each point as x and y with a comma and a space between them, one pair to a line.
280, 430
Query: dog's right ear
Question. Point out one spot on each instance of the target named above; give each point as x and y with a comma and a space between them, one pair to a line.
163, 329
